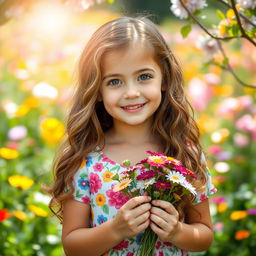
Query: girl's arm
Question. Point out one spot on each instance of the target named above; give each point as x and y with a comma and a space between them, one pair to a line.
79, 239
194, 235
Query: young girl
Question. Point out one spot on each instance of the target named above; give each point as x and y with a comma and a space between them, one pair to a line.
129, 99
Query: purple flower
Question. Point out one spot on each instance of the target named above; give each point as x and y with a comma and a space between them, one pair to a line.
251, 211
17, 132
162, 185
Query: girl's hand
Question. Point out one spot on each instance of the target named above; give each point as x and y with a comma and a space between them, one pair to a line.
164, 222
133, 217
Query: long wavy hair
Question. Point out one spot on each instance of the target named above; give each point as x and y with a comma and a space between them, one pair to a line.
87, 120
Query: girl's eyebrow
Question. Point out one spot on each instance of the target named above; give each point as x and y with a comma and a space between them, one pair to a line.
136, 72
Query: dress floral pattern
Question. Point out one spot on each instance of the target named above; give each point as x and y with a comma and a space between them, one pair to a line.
94, 186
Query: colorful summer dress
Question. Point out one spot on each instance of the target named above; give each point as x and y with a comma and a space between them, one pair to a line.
94, 186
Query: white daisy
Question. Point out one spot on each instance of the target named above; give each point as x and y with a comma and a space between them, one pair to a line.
140, 184
189, 187
176, 177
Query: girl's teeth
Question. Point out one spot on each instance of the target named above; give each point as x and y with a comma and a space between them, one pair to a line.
134, 107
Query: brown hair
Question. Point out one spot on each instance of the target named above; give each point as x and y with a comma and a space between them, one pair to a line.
88, 120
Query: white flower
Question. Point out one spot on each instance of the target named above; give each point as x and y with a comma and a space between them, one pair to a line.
246, 25
176, 177
192, 5
207, 44
149, 182
246, 4
189, 187
44, 90
140, 184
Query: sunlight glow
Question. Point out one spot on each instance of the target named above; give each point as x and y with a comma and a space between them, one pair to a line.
49, 19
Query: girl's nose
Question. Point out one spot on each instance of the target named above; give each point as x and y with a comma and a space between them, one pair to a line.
132, 91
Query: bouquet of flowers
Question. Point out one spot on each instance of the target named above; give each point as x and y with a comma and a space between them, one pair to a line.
163, 177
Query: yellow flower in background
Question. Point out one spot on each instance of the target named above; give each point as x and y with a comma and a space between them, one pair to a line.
32, 102
52, 130
238, 215
222, 28
242, 234
22, 110
107, 176
100, 199
8, 153
222, 207
206, 123
123, 184
38, 211
231, 16
226, 90
19, 181
19, 215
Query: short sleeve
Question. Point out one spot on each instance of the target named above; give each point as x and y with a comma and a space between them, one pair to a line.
81, 186
209, 190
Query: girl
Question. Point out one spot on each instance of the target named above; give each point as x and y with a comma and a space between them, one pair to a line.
129, 99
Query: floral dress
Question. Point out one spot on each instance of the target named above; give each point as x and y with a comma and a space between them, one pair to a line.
94, 186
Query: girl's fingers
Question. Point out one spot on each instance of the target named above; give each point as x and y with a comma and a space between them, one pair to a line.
168, 207
156, 229
134, 202
142, 218
159, 221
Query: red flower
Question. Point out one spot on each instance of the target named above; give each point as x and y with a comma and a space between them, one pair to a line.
124, 244
98, 167
162, 184
95, 183
145, 175
4, 214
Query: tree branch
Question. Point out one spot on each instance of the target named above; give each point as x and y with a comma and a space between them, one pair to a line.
230, 69
202, 26
240, 14
240, 24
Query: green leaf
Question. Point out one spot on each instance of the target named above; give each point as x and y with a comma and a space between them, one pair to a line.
220, 14
225, 61
185, 30
115, 177
105, 209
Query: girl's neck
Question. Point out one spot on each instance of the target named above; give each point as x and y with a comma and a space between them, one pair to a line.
133, 135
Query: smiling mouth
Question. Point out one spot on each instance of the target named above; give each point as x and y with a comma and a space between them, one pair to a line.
133, 107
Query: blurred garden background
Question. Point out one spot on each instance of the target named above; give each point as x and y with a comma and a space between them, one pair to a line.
40, 42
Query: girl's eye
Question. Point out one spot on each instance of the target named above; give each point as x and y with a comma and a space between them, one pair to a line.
114, 82
144, 77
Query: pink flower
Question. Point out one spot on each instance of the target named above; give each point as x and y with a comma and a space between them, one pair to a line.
219, 199
106, 159
214, 149
228, 107
200, 93
98, 167
212, 79
124, 244
95, 183
129, 254
251, 211
154, 153
203, 197
17, 132
86, 200
162, 185
241, 140
145, 175
218, 226
157, 161
116, 199
161, 254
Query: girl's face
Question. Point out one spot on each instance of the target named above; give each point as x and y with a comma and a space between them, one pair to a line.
131, 85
